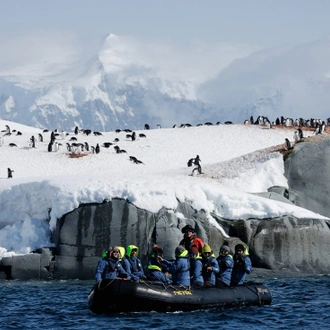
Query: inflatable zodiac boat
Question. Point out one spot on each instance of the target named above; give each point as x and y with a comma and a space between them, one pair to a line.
119, 295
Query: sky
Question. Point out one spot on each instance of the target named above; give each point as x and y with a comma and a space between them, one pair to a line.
237, 160
209, 35
265, 23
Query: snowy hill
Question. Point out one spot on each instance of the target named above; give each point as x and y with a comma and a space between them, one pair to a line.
126, 84
46, 185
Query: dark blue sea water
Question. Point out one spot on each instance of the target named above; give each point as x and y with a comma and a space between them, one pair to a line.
298, 303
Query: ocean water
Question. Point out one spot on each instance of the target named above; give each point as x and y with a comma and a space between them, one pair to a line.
298, 303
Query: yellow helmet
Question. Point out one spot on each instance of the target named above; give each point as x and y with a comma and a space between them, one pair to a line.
207, 248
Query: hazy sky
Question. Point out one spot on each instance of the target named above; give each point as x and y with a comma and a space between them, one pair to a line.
261, 22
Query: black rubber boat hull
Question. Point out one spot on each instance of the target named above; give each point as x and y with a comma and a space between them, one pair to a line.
117, 295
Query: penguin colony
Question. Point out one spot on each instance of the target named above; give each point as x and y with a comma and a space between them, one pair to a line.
70, 140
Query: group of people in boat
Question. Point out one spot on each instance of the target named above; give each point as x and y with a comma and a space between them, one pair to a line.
195, 264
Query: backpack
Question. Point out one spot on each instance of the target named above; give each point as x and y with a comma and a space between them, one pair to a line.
190, 162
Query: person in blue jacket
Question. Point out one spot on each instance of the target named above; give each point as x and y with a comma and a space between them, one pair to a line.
226, 263
132, 264
196, 268
210, 266
242, 265
155, 271
110, 266
180, 268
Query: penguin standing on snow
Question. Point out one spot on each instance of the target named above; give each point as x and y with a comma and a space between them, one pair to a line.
10, 173
33, 141
97, 149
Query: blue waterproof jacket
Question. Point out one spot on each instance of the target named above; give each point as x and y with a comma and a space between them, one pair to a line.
196, 271
132, 265
210, 276
242, 266
180, 269
226, 264
110, 268
155, 273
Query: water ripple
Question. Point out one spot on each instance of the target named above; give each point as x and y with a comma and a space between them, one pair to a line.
298, 303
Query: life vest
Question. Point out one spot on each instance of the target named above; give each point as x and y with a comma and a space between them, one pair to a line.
136, 266
154, 268
207, 264
113, 265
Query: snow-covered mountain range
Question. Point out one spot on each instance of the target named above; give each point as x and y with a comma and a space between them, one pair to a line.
126, 84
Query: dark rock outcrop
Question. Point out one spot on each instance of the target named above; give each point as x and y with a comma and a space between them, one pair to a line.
308, 172
284, 244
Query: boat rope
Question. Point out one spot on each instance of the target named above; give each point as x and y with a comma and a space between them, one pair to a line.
256, 292
100, 282
153, 286
164, 287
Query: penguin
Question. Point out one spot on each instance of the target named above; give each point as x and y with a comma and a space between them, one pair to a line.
97, 149
146, 126
133, 136
41, 138
300, 133
10, 173
50, 147
86, 146
68, 147
322, 127
52, 137
141, 135
107, 144
287, 144
295, 136
33, 141
135, 160
76, 130
119, 151
12, 145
